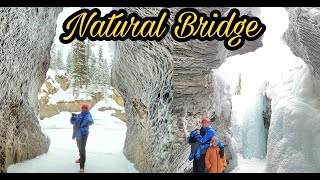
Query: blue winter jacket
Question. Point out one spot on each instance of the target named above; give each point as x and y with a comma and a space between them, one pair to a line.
84, 126
205, 137
195, 145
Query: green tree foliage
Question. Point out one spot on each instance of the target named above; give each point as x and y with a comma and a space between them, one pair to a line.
80, 73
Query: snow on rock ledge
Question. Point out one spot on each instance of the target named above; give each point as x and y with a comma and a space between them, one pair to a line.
26, 38
168, 87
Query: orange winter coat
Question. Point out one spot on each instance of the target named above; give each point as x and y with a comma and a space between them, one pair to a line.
214, 163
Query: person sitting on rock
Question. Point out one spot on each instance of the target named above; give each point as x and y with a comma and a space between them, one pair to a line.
214, 163
81, 123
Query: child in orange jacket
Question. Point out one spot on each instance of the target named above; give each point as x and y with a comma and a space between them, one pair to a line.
214, 163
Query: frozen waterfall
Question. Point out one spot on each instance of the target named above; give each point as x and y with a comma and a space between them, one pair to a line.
253, 132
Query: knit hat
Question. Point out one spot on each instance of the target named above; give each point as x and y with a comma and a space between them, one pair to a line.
206, 120
84, 106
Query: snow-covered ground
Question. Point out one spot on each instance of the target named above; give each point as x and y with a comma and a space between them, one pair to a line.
252, 165
104, 147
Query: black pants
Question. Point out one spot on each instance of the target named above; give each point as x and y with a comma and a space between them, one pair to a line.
199, 164
81, 143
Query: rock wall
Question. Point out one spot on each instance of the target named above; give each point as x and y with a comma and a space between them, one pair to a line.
142, 73
266, 114
26, 38
168, 87
303, 35
197, 88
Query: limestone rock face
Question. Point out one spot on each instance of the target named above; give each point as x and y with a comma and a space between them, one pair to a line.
142, 73
199, 92
303, 35
168, 87
26, 38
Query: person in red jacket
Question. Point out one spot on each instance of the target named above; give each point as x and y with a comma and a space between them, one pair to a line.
214, 163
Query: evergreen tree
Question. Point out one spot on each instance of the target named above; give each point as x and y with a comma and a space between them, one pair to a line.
101, 68
238, 88
53, 56
91, 59
93, 69
69, 61
107, 72
104, 69
59, 60
80, 65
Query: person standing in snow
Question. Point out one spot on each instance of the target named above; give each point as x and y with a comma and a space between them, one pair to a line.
81, 123
215, 163
203, 137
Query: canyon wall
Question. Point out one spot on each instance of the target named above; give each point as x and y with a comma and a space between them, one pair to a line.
168, 86
26, 38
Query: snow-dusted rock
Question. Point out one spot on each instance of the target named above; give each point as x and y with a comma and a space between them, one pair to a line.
26, 38
303, 34
168, 87
142, 73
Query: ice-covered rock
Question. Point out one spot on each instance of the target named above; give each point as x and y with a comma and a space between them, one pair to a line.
26, 38
142, 73
168, 87
293, 140
303, 34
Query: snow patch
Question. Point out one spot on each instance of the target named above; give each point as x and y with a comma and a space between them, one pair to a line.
61, 73
54, 83
44, 88
51, 74
252, 165
107, 103
41, 95
60, 96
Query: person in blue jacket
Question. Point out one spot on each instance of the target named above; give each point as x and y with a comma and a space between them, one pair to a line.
202, 139
81, 123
